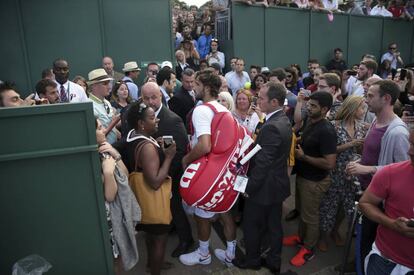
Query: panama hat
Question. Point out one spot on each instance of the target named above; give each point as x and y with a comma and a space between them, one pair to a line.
98, 75
130, 67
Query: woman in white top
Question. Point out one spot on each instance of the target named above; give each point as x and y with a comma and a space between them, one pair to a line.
215, 56
246, 113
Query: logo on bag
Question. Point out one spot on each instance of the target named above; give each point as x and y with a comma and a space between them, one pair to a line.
189, 174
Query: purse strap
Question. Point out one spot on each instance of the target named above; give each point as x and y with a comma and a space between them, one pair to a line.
138, 150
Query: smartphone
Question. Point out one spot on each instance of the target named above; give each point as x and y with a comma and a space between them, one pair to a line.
168, 140
409, 108
403, 74
353, 73
254, 101
410, 223
307, 94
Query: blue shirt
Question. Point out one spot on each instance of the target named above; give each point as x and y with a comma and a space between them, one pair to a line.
203, 45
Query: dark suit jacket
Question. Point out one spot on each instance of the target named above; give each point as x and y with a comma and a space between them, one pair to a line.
179, 71
171, 125
268, 179
181, 104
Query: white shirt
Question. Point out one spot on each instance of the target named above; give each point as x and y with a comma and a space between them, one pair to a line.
164, 92
380, 11
74, 92
330, 5
219, 59
389, 56
354, 86
158, 111
236, 82
202, 118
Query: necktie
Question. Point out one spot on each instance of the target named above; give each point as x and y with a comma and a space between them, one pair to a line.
192, 95
63, 96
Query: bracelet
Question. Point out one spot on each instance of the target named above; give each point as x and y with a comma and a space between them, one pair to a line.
118, 158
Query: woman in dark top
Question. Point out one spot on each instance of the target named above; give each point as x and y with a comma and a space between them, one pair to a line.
154, 162
120, 97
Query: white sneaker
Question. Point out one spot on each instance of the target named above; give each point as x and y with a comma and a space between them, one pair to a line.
195, 257
223, 257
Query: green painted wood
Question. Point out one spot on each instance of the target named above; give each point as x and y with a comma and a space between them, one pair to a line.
249, 34
285, 40
295, 35
81, 32
365, 37
51, 192
326, 36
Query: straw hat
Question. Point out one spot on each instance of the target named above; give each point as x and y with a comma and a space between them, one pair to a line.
97, 76
130, 67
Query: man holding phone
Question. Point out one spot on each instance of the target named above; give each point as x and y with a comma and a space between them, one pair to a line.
392, 251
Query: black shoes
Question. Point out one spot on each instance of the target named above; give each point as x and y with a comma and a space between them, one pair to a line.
244, 265
182, 248
292, 215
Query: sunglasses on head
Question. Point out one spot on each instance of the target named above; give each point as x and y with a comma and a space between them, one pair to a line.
214, 40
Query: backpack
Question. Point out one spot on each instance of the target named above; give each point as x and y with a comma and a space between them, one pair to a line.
208, 182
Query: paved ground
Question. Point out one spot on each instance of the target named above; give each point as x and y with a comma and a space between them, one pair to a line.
322, 264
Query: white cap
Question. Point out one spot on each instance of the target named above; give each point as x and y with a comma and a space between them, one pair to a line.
166, 64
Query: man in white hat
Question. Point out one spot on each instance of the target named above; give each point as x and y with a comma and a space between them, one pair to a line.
99, 83
131, 71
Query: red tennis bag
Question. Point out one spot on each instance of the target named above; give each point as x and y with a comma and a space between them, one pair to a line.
208, 182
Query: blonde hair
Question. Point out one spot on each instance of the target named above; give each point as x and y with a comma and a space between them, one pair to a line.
229, 99
349, 107
247, 93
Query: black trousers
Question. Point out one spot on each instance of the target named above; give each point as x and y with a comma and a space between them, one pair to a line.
180, 219
260, 221
368, 234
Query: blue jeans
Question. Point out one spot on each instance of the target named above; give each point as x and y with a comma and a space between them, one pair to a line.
378, 265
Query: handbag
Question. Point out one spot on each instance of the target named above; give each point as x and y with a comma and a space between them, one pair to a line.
155, 204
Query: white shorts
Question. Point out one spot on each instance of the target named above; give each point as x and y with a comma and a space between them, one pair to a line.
192, 210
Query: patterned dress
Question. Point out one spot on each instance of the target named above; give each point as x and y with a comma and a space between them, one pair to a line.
342, 190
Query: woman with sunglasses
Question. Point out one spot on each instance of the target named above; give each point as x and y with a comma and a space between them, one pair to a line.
292, 83
151, 158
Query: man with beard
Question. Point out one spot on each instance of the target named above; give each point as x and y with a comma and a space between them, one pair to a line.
207, 86
47, 89
316, 156
353, 85
386, 143
68, 91
167, 82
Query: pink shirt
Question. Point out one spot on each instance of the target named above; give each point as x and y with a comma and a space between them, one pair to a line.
395, 184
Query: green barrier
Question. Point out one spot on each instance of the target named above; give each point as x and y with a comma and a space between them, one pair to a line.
51, 192
279, 36
82, 32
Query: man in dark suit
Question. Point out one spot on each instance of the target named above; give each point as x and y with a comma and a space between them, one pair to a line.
184, 100
172, 125
268, 185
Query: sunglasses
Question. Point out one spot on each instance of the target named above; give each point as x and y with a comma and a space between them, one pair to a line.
214, 40
107, 108
393, 48
142, 108
289, 75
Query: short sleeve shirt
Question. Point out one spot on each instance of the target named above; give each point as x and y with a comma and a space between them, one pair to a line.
318, 140
202, 118
395, 185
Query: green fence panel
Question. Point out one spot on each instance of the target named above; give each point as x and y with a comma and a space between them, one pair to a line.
82, 32
295, 35
249, 42
364, 37
285, 40
326, 36
51, 190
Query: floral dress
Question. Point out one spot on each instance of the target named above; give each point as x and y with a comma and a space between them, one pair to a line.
342, 190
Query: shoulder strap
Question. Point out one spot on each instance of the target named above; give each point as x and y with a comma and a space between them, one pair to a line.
138, 150
211, 106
